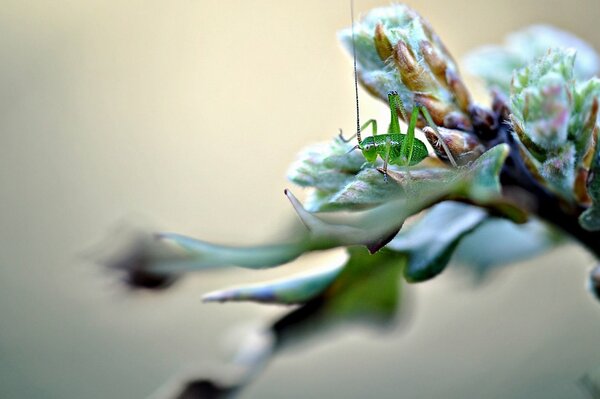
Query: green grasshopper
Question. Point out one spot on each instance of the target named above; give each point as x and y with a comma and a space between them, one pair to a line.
394, 147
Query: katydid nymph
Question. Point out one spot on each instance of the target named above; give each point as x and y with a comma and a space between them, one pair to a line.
394, 147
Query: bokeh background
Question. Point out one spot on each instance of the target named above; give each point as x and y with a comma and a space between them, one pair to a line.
184, 116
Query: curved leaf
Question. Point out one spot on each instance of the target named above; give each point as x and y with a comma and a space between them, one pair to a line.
500, 242
430, 243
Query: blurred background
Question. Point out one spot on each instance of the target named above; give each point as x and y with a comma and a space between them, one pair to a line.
184, 116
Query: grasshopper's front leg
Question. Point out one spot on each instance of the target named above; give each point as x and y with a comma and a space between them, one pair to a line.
395, 105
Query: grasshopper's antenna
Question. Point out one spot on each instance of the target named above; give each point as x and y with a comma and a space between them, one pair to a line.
355, 75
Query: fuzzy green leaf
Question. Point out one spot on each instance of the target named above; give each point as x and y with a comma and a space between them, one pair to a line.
554, 118
540, 99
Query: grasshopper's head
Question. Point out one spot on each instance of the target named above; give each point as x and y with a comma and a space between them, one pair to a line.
368, 149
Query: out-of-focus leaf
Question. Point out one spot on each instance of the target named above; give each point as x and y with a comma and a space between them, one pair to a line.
430, 243
500, 242
366, 290
137, 254
207, 255
495, 64
291, 290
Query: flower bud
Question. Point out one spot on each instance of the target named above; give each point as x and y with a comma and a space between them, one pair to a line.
413, 74
463, 147
434, 59
382, 43
461, 94
396, 49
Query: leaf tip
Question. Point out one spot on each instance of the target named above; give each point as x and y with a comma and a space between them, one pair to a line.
216, 296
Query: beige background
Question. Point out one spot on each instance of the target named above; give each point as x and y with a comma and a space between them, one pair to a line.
185, 115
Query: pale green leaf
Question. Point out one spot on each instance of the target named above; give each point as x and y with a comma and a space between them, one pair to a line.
430, 243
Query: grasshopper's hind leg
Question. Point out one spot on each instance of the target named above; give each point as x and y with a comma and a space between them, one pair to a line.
408, 144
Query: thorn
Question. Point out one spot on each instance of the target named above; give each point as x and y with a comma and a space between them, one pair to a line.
303, 214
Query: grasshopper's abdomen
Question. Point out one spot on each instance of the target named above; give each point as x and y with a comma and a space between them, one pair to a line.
381, 142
